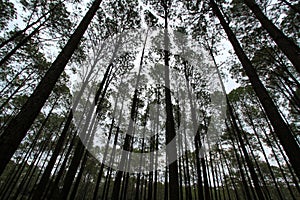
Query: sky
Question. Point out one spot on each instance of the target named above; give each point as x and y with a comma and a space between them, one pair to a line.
229, 83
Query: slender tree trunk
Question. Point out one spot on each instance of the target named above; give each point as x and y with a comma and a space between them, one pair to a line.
255, 161
166, 186
46, 175
197, 137
263, 152
244, 162
106, 189
210, 189
225, 180
60, 163
9, 140
279, 163
213, 173
185, 158
218, 183
295, 8
28, 26
230, 174
79, 175
105, 192
95, 195
126, 148
221, 182
61, 171
10, 83
281, 128
91, 135
106, 147
87, 129
18, 172
187, 163
127, 175
137, 192
281, 151
127, 145
80, 149
156, 143
20, 44
238, 133
108, 174
170, 125
24, 185
37, 174
244, 181
15, 92
152, 148
205, 179
179, 144
288, 47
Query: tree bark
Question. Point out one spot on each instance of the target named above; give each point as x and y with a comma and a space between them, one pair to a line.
281, 128
129, 132
288, 47
46, 175
17, 128
170, 125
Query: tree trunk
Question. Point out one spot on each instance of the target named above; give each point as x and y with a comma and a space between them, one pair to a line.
281, 128
263, 152
250, 166
230, 175
79, 175
288, 47
129, 133
244, 181
28, 26
79, 151
51, 189
46, 175
20, 44
17, 128
157, 94
170, 125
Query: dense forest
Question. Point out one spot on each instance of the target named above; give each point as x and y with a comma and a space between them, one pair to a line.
133, 99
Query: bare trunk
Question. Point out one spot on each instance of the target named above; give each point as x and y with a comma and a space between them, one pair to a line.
9, 140
288, 47
281, 128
